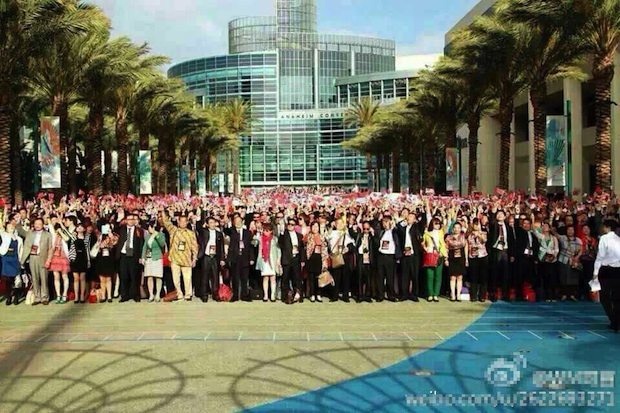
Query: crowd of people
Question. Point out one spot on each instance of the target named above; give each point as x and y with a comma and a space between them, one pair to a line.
301, 244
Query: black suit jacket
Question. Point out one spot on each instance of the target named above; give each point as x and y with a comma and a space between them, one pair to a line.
203, 240
398, 248
494, 233
522, 244
286, 246
416, 239
138, 242
371, 249
234, 256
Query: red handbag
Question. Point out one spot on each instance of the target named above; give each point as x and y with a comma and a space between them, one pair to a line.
224, 293
165, 259
430, 259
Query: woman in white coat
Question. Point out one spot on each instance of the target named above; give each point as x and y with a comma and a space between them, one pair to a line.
268, 261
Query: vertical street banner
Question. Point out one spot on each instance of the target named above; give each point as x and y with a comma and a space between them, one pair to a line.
201, 182
371, 181
49, 152
556, 155
185, 188
230, 183
222, 183
145, 172
383, 180
452, 169
404, 177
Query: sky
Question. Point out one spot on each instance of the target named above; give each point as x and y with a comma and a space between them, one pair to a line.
189, 29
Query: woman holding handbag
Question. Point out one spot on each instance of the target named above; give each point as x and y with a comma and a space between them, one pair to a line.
105, 264
548, 256
435, 254
268, 261
457, 260
318, 257
58, 262
339, 242
79, 258
478, 262
152, 258
10, 251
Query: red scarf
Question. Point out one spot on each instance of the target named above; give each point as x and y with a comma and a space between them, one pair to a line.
265, 242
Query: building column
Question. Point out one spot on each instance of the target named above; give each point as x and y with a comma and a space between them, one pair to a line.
488, 154
531, 169
572, 94
615, 127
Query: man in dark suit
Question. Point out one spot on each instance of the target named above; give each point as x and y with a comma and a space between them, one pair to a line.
526, 248
388, 250
128, 254
411, 243
364, 247
211, 257
240, 258
502, 246
293, 258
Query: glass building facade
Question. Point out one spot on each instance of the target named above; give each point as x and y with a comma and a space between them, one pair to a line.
290, 74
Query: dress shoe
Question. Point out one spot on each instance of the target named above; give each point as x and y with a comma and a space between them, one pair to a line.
16, 301
234, 300
391, 299
415, 299
45, 302
205, 299
346, 299
379, 300
109, 300
123, 300
9, 301
333, 300
265, 300
247, 299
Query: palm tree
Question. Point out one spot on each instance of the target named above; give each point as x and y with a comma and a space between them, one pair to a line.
237, 117
138, 66
363, 113
25, 29
473, 84
58, 76
500, 47
553, 52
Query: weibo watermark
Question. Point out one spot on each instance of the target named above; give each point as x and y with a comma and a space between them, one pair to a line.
552, 388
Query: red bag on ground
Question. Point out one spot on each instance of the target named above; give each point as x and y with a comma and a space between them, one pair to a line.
224, 293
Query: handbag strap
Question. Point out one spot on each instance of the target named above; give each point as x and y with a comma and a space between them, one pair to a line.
164, 248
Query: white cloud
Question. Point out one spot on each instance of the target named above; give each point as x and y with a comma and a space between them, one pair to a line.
416, 62
427, 43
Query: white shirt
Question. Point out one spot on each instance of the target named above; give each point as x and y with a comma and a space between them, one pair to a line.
386, 245
408, 243
37, 238
608, 252
294, 242
211, 242
503, 234
128, 241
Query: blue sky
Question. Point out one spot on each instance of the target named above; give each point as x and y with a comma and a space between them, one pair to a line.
186, 29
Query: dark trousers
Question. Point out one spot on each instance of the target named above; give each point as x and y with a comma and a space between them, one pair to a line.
549, 279
129, 277
240, 278
584, 279
500, 276
410, 267
610, 294
364, 272
9, 282
479, 277
385, 271
342, 281
291, 276
526, 272
210, 277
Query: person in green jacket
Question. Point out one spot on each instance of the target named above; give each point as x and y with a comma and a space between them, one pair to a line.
152, 259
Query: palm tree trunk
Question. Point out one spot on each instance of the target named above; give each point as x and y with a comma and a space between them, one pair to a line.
16, 165
506, 112
160, 174
538, 95
143, 137
236, 172
5, 151
207, 163
368, 168
122, 140
603, 73
193, 184
474, 127
172, 170
396, 169
92, 150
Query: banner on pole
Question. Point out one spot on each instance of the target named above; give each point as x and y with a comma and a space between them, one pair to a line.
201, 182
452, 169
404, 177
556, 155
230, 183
49, 152
383, 183
222, 183
185, 187
145, 172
